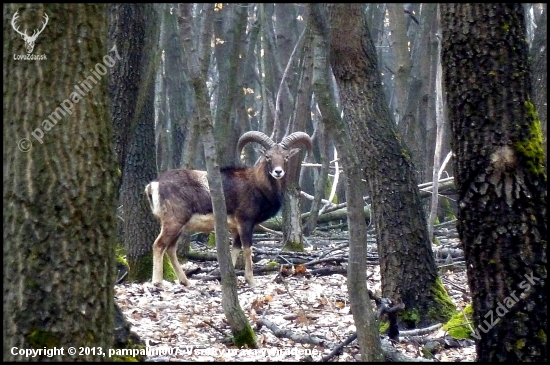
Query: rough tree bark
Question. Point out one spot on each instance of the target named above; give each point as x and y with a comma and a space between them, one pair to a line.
499, 172
134, 29
539, 62
59, 185
407, 264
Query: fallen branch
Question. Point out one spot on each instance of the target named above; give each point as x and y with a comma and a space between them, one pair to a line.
422, 331
390, 353
338, 350
328, 271
282, 333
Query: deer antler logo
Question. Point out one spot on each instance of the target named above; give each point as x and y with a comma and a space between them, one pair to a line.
29, 40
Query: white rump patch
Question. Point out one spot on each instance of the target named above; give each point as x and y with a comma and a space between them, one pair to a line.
153, 189
202, 178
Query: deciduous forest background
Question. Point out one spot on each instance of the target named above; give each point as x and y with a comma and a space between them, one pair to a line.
420, 115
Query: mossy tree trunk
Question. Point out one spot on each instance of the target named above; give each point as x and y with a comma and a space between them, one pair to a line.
133, 29
407, 263
59, 185
499, 172
538, 56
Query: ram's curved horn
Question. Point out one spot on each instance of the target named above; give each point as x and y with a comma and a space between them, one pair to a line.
295, 139
254, 136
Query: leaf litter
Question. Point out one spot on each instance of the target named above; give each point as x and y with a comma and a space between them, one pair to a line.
181, 323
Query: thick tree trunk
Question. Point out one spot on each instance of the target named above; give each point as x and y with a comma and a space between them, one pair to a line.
59, 186
407, 264
178, 88
499, 172
132, 109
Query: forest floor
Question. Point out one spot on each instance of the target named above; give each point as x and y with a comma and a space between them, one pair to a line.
304, 313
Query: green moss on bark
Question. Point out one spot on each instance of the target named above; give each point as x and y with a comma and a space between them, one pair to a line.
458, 326
410, 317
39, 339
384, 325
141, 269
246, 337
446, 308
531, 148
441, 312
291, 246
449, 214
211, 240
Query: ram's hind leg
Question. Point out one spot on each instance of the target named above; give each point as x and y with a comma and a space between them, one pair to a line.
168, 236
172, 254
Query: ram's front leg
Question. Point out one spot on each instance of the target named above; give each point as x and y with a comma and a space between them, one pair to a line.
246, 237
235, 248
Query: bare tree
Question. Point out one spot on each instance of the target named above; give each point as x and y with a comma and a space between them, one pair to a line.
402, 60
367, 328
243, 334
229, 31
173, 92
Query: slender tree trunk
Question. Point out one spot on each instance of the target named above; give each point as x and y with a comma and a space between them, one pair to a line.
367, 327
440, 134
499, 173
418, 127
163, 118
59, 186
293, 235
322, 142
243, 334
